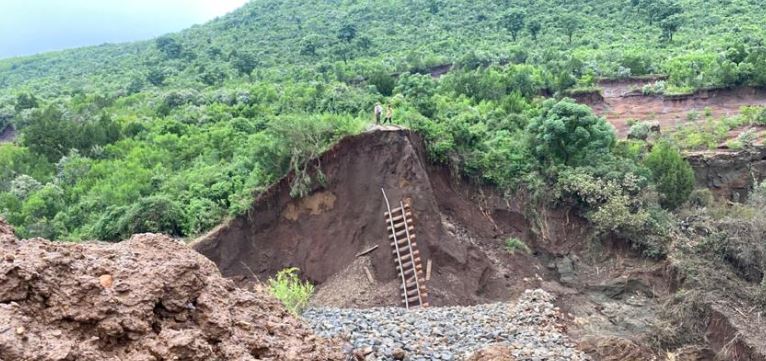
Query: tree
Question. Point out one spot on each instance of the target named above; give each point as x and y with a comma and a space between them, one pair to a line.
169, 46
347, 33
48, 134
569, 133
670, 26
534, 26
673, 176
570, 23
309, 45
156, 76
244, 61
514, 21
26, 101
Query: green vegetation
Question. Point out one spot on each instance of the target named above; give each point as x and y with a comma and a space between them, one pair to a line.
289, 289
175, 134
672, 174
514, 245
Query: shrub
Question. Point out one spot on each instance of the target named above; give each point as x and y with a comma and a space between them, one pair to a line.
569, 133
673, 176
701, 198
639, 131
289, 289
513, 245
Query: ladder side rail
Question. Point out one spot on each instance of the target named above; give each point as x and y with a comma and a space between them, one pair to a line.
396, 247
414, 265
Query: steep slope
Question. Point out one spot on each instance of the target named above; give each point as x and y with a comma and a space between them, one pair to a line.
322, 233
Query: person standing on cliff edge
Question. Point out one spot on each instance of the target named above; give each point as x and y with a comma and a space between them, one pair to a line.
378, 112
389, 114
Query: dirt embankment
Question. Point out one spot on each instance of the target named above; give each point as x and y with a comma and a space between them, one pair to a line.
322, 233
610, 295
149, 298
623, 101
730, 175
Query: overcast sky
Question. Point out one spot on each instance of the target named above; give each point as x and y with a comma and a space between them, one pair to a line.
34, 26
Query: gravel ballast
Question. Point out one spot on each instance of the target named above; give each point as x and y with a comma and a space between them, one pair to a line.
531, 328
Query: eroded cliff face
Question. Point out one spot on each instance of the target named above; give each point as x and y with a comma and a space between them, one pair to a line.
730, 175
323, 232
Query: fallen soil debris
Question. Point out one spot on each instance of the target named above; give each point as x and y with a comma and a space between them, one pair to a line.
149, 298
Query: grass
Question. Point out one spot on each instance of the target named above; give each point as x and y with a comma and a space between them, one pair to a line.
289, 289
514, 245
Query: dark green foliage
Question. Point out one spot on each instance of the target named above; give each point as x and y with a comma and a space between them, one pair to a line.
672, 174
206, 117
383, 82
156, 76
347, 33
570, 24
569, 133
26, 101
514, 21
534, 26
245, 62
156, 214
52, 135
169, 47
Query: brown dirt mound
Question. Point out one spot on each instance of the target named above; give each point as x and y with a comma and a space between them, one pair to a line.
149, 298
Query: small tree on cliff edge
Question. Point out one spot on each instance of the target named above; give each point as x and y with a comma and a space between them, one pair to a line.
673, 176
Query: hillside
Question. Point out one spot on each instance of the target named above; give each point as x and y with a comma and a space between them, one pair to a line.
191, 124
295, 40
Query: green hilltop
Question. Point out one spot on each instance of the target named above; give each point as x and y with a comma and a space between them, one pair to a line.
176, 133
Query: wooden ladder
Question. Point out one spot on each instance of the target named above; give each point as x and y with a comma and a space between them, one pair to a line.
401, 234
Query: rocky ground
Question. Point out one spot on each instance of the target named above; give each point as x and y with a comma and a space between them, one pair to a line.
531, 329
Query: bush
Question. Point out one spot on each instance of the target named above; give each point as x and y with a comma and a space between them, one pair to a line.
289, 289
155, 214
513, 245
639, 131
701, 198
673, 176
569, 133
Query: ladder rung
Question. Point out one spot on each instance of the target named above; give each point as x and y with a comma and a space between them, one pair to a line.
395, 210
403, 250
402, 233
409, 271
412, 300
408, 263
409, 255
401, 243
400, 217
396, 226
411, 293
411, 283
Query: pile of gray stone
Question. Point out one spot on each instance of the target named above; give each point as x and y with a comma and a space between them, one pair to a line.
531, 328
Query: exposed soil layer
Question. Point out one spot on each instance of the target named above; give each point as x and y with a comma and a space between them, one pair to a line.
730, 175
322, 233
623, 101
606, 290
149, 298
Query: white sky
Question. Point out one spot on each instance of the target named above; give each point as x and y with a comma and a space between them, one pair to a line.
33, 26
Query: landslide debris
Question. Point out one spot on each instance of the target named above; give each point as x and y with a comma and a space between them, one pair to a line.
149, 298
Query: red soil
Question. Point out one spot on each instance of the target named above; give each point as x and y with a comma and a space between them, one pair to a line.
622, 103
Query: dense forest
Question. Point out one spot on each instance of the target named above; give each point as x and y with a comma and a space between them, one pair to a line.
175, 134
